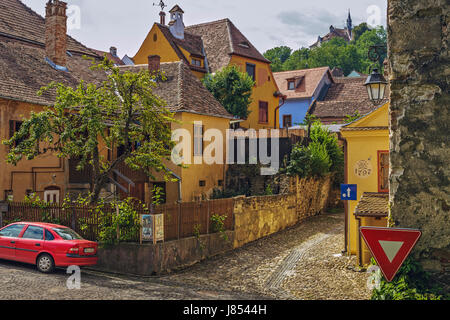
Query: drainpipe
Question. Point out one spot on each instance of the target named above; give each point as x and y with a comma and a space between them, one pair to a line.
346, 202
283, 99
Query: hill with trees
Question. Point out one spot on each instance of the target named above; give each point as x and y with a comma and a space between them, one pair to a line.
337, 52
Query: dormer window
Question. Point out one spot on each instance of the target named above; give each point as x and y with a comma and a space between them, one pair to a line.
196, 62
294, 83
291, 84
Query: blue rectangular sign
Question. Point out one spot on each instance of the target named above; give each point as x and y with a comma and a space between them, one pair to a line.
349, 192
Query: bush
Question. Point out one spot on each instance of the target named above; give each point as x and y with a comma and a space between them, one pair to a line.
126, 221
218, 225
321, 157
410, 283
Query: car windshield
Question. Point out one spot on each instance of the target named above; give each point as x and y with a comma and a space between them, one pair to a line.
67, 234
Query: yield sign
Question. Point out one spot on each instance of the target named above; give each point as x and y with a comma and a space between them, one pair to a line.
390, 247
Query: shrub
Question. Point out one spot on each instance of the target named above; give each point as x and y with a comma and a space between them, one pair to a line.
410, 283
218, 225
322, 156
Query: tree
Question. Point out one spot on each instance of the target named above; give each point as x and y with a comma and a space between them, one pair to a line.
370, 38
352, 117
278, 56
233, 89
297, 60
322, 156
334, 53
359, 30
121, 112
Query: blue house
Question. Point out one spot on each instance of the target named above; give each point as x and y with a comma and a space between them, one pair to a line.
301, 88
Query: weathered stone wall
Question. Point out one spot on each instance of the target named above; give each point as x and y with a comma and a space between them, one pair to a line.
419, 80
258, 217
160, 258
312, 196
254, 218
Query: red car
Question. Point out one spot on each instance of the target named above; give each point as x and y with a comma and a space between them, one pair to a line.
46, 245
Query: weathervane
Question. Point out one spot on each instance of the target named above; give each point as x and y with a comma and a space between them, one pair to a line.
161, 4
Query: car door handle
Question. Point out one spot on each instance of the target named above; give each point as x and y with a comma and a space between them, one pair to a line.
13, 242
38, 244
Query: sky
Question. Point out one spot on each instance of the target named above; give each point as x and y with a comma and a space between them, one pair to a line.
100, 24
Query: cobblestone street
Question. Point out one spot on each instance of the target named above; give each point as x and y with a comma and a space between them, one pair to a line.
302, 262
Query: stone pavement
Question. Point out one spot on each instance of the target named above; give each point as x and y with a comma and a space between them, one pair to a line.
302, 262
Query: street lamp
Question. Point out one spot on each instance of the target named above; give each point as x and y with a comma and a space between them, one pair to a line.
376, 84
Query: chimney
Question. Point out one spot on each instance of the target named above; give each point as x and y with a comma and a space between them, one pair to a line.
113, 51
56, 32
154, 63
162, 16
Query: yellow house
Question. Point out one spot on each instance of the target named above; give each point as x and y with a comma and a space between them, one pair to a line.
34, 52
202, 122
209, 47
367, 166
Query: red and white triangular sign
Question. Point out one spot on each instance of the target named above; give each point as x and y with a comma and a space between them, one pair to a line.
390, 247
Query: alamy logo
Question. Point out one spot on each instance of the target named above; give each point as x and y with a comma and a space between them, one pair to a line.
374, 18
73, 17
74, 281
374, 280
241, 147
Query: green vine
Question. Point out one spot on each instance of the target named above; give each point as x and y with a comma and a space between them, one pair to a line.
218, 225
197, 229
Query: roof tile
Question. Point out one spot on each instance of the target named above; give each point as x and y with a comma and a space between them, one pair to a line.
221, 39
373, 205
183, 91
311, 80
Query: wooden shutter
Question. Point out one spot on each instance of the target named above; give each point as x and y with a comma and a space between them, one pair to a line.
263, 112
383, 171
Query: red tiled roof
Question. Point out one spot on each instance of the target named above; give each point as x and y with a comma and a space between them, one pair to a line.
23, 71
334, 33
19, 21
373, 205
345, 97
183, 91
114, 59
311, 80
191, 43
221, 39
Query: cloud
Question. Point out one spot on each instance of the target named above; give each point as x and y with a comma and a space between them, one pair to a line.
312, 22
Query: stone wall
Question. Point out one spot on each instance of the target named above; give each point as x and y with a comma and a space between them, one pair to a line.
419, 80
258, 217
254, 218
160, 258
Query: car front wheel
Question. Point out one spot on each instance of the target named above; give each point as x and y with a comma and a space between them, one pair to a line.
45, 263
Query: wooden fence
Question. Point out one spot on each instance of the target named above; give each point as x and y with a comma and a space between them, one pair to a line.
180, 220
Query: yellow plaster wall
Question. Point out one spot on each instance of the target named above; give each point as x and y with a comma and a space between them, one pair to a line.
196, 172
36, 175
263, 91
364, 146
159, 47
